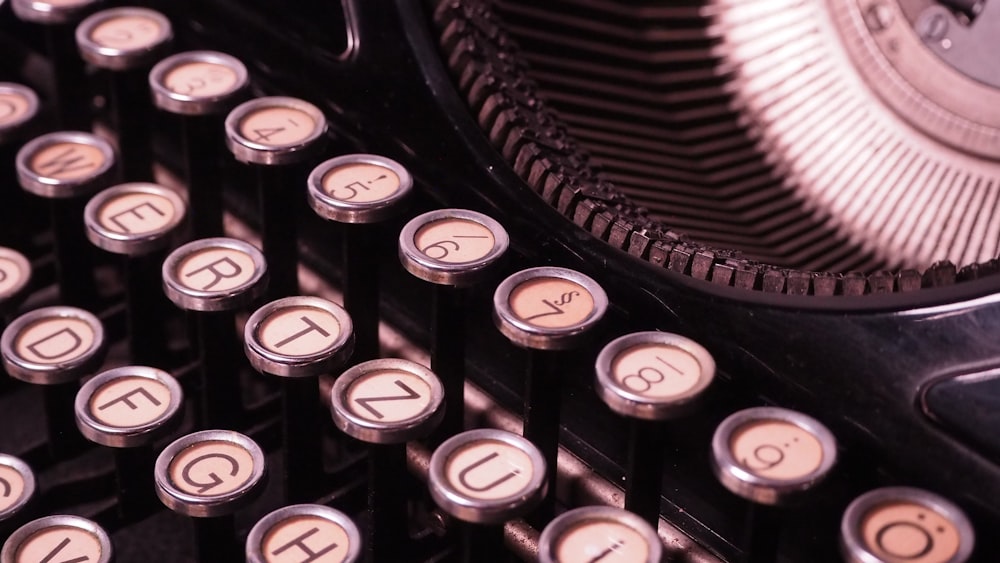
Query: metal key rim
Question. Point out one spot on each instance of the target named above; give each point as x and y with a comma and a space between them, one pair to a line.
14, 542
52, 374
255, 540
268, 361
211, 505
202, 300
629, 403
119, 437
253, 152
27, 477
553, 532
343, 211
449, 273
852, 542
183, 104
56, 188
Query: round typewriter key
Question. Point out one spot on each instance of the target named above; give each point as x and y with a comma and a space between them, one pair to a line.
17, 488
297, 339
200, 86
216, 277
484, 478
55, 347
275, 134
210, 475
15, 274
905, 524
72, 101
304, 532
546, 310
599, 533
451, 248
770, 456
359, 191
65, 167
387, 403
127, 409
123, 38
139, 221
126, 42
58, 538
134, 219
650, 377
18, 107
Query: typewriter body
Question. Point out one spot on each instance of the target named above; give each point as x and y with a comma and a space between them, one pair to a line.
743, 181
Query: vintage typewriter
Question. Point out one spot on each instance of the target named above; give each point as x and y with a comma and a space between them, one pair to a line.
728, 264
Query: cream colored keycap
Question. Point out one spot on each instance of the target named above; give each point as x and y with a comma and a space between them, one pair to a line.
216, 269
489, 470
55, 340
310, 538
66, 161
455, 241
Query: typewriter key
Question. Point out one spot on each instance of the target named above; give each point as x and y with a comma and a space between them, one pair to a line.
58, 538
304, 532
451, 248
55, 347
17, 489
216, 277
770, 456
126, 42
297, 339
274, 134
200, 86
18, 108
15, 275
359, 191
128, 408
546, 310
139, 221
387, 403
650, 377
484, 478
210, 475
599, 533
71, 101
65, 168
905, 524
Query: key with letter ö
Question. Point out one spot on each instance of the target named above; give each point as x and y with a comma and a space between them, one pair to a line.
650, 377
209, 475
770, 456
55, 347
359, 191
453, 249
128, 408
304, 532
274, 135
216, 277
387, 403
547, 310
484, 478
296, 339
905, 524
